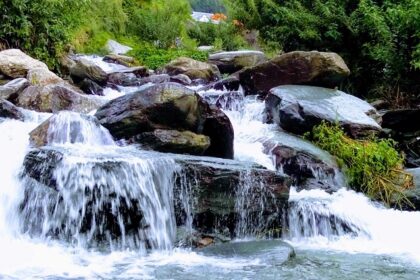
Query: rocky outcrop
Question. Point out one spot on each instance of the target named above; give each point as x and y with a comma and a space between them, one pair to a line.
173, 141
295, 68
42, 77
230, 62
216, 193
13, 88
8, 110
298, 109
54, 98
193, 69
168, 106
16, 64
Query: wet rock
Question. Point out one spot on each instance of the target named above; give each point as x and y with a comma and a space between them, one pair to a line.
298, 109
8, 110
156, 79
123, 79
308, 166
54, 98
230, 62
168, 106
298, 68
225, 100
120, 59
138, 71
84, 68
181, 79
219, 192
230, 83
413, 194
90, 87
193, 69
16, 64
173, 141
13, 87
42, 77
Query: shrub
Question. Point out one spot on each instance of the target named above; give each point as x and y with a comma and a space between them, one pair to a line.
372, 166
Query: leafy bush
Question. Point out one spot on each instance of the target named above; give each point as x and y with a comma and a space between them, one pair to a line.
208, 6
380, 40
223, 35
372, 166
149, 55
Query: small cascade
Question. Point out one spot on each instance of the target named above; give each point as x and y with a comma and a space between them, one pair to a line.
252, 202
120, 203
73, 128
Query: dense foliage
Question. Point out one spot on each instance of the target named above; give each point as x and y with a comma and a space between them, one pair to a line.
372, 166
380, 40
207, 6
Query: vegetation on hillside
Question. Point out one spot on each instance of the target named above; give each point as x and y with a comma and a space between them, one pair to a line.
380, 40
208, 6
372, 166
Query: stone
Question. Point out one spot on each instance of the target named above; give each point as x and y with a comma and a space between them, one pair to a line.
168, 106
56, 97
298, 109
295, 68
193, 69
155, 79
90, 87
230, 83
413, 194
16, 64
116, 48
405, 120
13, 87
181, 79
84, 68
42, 77
10, 111
123, 79
173, 141
127, 61
230, 62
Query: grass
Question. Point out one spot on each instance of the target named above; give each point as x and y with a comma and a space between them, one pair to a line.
372, 166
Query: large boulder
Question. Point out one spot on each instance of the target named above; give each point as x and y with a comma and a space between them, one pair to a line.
42, 77
174, 141
116, 48
127, 61
85, 68
8, 110
230, 62
216, 196
168, 106
298, 109
295, 68
56, 97
13, 87
16, 64
193, 69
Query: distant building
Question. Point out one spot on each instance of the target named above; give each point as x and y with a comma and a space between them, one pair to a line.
204, 17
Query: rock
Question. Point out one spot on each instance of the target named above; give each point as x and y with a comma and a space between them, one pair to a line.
181, 79
380, 104
230, 62
69, 127
120, 59
173, 141
168, 106
84, 68
42, 77
205, 48
219, 192
124, 79
413, 194
204, 242
13, 87
54, 98
193, 69
116, 48
308, 166
8, 110
298, 68
230, 83
156, 79
225, 100
90, 87
138, 71
16, 64
298, 109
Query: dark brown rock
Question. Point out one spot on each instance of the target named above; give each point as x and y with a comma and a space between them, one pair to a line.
8, 110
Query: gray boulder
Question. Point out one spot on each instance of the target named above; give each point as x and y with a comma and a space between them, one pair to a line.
8, 110
84, 68
16, 64
230, 62
295, 68
193, 69
298, 109
13, 87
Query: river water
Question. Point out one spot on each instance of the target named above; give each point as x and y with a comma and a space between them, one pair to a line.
335, 236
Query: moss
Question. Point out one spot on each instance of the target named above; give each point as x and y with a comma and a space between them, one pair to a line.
372, 166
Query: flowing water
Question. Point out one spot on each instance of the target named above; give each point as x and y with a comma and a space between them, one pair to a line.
340, 235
